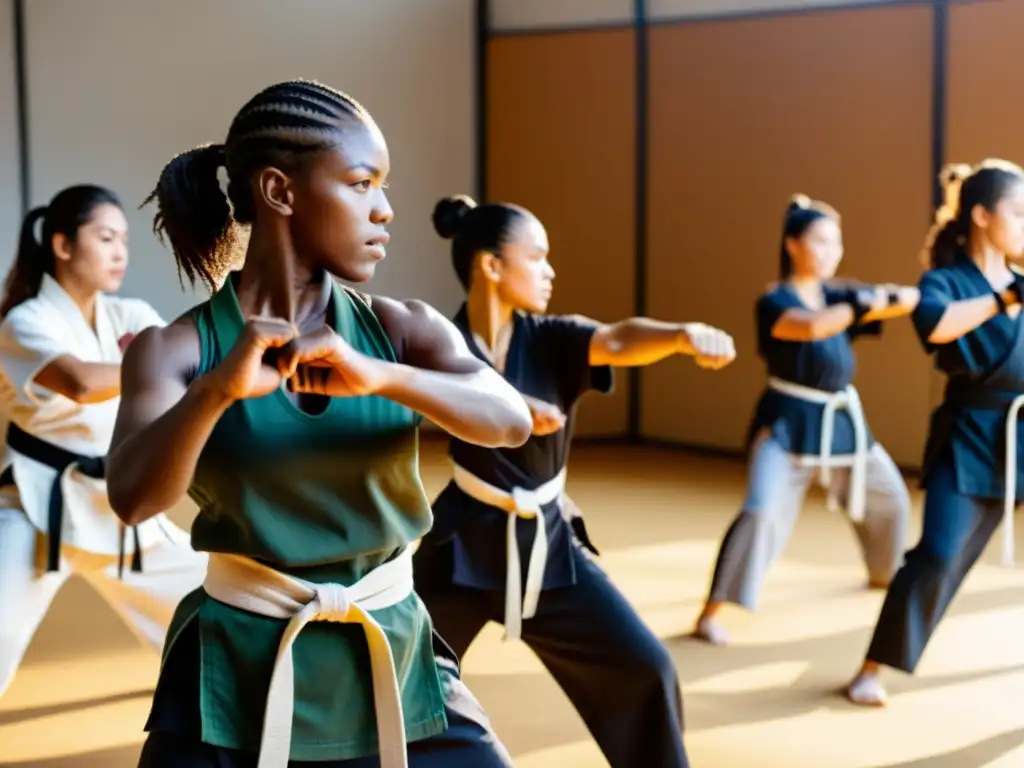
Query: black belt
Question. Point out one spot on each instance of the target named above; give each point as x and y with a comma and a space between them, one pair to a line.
966, 394
59, 459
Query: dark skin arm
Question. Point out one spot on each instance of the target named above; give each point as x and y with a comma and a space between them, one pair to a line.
440, 378
162, 423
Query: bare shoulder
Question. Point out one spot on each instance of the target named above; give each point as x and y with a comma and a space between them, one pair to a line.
404, 312
172, 351
409, 320
422, 336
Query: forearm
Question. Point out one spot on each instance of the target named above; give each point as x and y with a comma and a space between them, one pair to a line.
962, 317
906, 298
480, 408
150, 470
812, 326
83, 383
638, 341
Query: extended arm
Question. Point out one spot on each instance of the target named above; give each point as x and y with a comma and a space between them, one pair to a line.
641, 341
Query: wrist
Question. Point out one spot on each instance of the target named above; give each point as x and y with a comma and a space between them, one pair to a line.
1012, 294
388, 378
860, 306
684, 344
209, 393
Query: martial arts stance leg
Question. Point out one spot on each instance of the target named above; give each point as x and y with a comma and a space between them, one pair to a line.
776, 489
956, 530
883, 531
26, 589
593, 642
146, 601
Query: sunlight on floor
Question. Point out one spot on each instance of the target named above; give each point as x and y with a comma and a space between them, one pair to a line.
769, 701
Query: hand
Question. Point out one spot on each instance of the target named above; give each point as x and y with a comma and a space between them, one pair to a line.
124, 341
710, 347
547, 418
323, 363
246, 371
1014, 292
874, 297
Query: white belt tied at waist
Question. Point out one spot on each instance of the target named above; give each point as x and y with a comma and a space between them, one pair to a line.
849, 399
250, 586
525, 504
1010, 484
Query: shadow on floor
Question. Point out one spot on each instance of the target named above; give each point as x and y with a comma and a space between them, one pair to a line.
65, 707
976, 755
116, 757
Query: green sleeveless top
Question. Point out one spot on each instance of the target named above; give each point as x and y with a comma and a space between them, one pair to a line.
324, 497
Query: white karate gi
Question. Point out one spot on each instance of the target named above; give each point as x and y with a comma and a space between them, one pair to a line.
32, 335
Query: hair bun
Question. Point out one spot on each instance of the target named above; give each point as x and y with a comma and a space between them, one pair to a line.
450, 214
799, 202
954, 173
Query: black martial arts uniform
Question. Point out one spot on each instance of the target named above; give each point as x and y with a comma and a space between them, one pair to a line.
964, 463
616, 672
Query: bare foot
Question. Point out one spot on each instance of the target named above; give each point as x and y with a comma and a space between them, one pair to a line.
867, 690
710, 631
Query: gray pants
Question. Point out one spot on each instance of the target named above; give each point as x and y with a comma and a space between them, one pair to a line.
776, 491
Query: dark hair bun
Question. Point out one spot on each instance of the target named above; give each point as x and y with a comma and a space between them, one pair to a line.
450, 213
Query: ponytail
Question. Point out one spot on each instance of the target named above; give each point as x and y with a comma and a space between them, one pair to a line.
194, 214
32, 261
952, 226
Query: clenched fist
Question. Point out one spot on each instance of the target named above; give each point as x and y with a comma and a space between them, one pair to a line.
547, 418
710, 347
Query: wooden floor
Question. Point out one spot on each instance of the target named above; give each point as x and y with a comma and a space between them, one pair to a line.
769, 701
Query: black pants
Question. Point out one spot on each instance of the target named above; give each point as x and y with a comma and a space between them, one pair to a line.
617, 674
174, 740
957, 529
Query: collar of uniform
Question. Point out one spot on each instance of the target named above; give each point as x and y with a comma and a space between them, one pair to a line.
54, 294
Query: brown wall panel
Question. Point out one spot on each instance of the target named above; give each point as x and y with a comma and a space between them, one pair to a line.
744, 113
984, 72
561, 133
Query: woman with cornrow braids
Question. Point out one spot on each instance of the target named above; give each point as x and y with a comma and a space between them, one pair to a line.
287, 407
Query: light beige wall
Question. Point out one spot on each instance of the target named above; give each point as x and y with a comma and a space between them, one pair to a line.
10, 193
548, 14
117, 88
684, 9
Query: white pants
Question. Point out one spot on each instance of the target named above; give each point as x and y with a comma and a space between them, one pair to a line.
145, 601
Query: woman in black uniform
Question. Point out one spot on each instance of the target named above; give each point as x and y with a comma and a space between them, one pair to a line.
487, 559
969, 318
809, 420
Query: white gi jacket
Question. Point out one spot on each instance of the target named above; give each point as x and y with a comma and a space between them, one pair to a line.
31, 336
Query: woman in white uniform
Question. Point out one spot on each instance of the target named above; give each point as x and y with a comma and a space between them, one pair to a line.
61, 341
